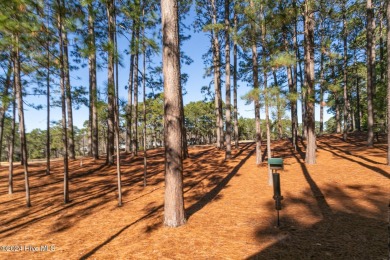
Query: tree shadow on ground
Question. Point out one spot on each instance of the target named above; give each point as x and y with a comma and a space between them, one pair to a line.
219, 184
346, 229
341, 234
196, 173
93, 186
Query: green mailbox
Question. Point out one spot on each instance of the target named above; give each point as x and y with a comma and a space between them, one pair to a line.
275, 164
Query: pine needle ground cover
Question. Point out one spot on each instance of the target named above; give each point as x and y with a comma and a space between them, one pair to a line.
335, 209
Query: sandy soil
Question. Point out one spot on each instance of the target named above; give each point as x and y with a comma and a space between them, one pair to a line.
335, 209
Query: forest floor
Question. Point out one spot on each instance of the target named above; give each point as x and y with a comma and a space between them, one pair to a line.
335, 209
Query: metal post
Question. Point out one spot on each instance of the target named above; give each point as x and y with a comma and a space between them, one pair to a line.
277, 194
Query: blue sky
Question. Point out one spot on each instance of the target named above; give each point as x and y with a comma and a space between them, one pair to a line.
194, 47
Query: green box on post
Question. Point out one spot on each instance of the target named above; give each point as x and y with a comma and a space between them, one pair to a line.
275, 163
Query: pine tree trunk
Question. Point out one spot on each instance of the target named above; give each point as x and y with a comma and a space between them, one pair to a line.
370, 72
266, 94
12, 144
321, 79
338, 117
5, 102
144, 105
388, 82
94, 134
255, 73
358, 109
22, 130
294, 106
235, 118
174, 214
48, 146
292, 91
228, 153
279, 109
303, 93
337, 102
68, 93
135, 107
63, 105
110, 84
116, 103
309, 80
129, 109
346, 108
217, 80
382, 69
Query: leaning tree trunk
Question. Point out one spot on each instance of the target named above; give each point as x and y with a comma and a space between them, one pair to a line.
309, 80
370, 72
22, 130
228, 136
174, 214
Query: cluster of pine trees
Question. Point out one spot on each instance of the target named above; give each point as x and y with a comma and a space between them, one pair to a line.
331, 53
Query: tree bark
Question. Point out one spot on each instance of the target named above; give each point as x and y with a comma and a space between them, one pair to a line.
309, 80
370, 72
174, 214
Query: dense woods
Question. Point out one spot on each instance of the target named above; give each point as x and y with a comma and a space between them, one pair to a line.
329, 56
